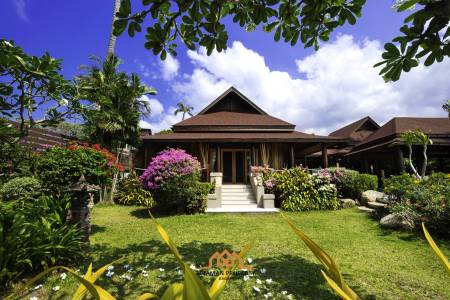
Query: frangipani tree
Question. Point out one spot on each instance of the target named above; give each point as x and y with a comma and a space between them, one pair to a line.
417, 137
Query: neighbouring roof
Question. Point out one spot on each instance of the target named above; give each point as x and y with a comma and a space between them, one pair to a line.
358, 130
293, 136
435, 127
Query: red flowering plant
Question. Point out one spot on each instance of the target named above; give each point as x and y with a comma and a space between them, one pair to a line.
60, 166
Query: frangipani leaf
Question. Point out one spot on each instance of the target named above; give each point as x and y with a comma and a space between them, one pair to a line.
436, 249
331, 268
146, 296
174, 292
335, 287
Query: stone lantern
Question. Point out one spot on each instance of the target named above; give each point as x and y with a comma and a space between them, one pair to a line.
81, 198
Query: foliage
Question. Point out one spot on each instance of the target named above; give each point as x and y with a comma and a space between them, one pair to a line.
34, 235
164, 131
168, 164
131, 192
118, 103
446, 107
58, 167
300, 191
200, 23
196, 200
427, 200
20, 188
15, 160
29, 84
397, 185
75, 130
351, 184
184, 109
426, 32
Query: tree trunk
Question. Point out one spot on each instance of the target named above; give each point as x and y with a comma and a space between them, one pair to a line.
112, 37
411, 163
425, 161
115, 177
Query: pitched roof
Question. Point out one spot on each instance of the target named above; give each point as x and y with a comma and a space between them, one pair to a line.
236, 119
293, 136
349, 130
396, 126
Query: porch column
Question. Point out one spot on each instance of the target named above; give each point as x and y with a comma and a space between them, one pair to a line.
292, 156
324, 156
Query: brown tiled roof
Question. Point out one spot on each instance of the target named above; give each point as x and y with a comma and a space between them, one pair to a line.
228, 118
349, 129
396, 126
293, 136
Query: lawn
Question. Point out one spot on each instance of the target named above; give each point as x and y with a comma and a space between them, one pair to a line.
376, 263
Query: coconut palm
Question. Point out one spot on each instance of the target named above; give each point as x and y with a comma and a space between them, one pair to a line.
183, 108
112, 37
446, 107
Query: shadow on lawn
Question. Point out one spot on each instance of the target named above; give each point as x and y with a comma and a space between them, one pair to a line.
142, 213
300, 277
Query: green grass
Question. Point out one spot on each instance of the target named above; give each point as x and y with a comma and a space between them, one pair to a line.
377, 264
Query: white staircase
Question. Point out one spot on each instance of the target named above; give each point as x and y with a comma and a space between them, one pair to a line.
238, 196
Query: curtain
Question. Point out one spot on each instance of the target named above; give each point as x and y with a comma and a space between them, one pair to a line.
212, 159
204, 153
265, 153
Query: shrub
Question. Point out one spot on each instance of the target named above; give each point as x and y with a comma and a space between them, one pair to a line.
427, 200
34, 235
300, 191
396, 186
351, 184
15, 160
57, 167
131, 192
19, 188
168, 164
174, 178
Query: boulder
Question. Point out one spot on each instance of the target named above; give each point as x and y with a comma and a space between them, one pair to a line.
398, 221
376, 205
366, 209
347, 202
370, 196
385, 199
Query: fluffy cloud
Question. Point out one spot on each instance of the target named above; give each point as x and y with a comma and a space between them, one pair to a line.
335, 85
20, 9
161, 121
155, 106
169, 68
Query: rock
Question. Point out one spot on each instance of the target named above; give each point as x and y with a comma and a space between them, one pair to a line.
347, 202
370, 196
385, 199
365, 209
376, 205
398, 221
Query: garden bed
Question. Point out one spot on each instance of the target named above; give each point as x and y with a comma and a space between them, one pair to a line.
390, 265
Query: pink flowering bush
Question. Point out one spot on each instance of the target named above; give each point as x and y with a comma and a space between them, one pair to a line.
167, 165
173, 176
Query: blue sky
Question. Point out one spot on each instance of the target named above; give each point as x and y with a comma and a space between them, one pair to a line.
318, 91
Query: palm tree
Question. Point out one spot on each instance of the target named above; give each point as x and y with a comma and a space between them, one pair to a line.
183, 108
112, 37
446, 107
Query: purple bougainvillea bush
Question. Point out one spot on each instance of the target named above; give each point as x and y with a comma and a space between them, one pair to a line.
168, 164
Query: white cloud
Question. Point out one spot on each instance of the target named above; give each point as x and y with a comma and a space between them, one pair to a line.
169, 68
162, 121
155, 106
20, 6
339, 85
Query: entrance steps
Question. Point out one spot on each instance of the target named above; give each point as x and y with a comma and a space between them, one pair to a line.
239, 198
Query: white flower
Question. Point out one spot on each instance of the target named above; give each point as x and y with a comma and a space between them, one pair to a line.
144, 273
110, 268
258, 281
77, 270
39, 286
283, 292
63, 276
180, 272
249, 260
257, 289
34, 298
269, 281
268, 295
290, 296
63, 102
246, 277
161, 269
126, 267
56, 288
109, 274
192, 266
126, 276
263, 271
